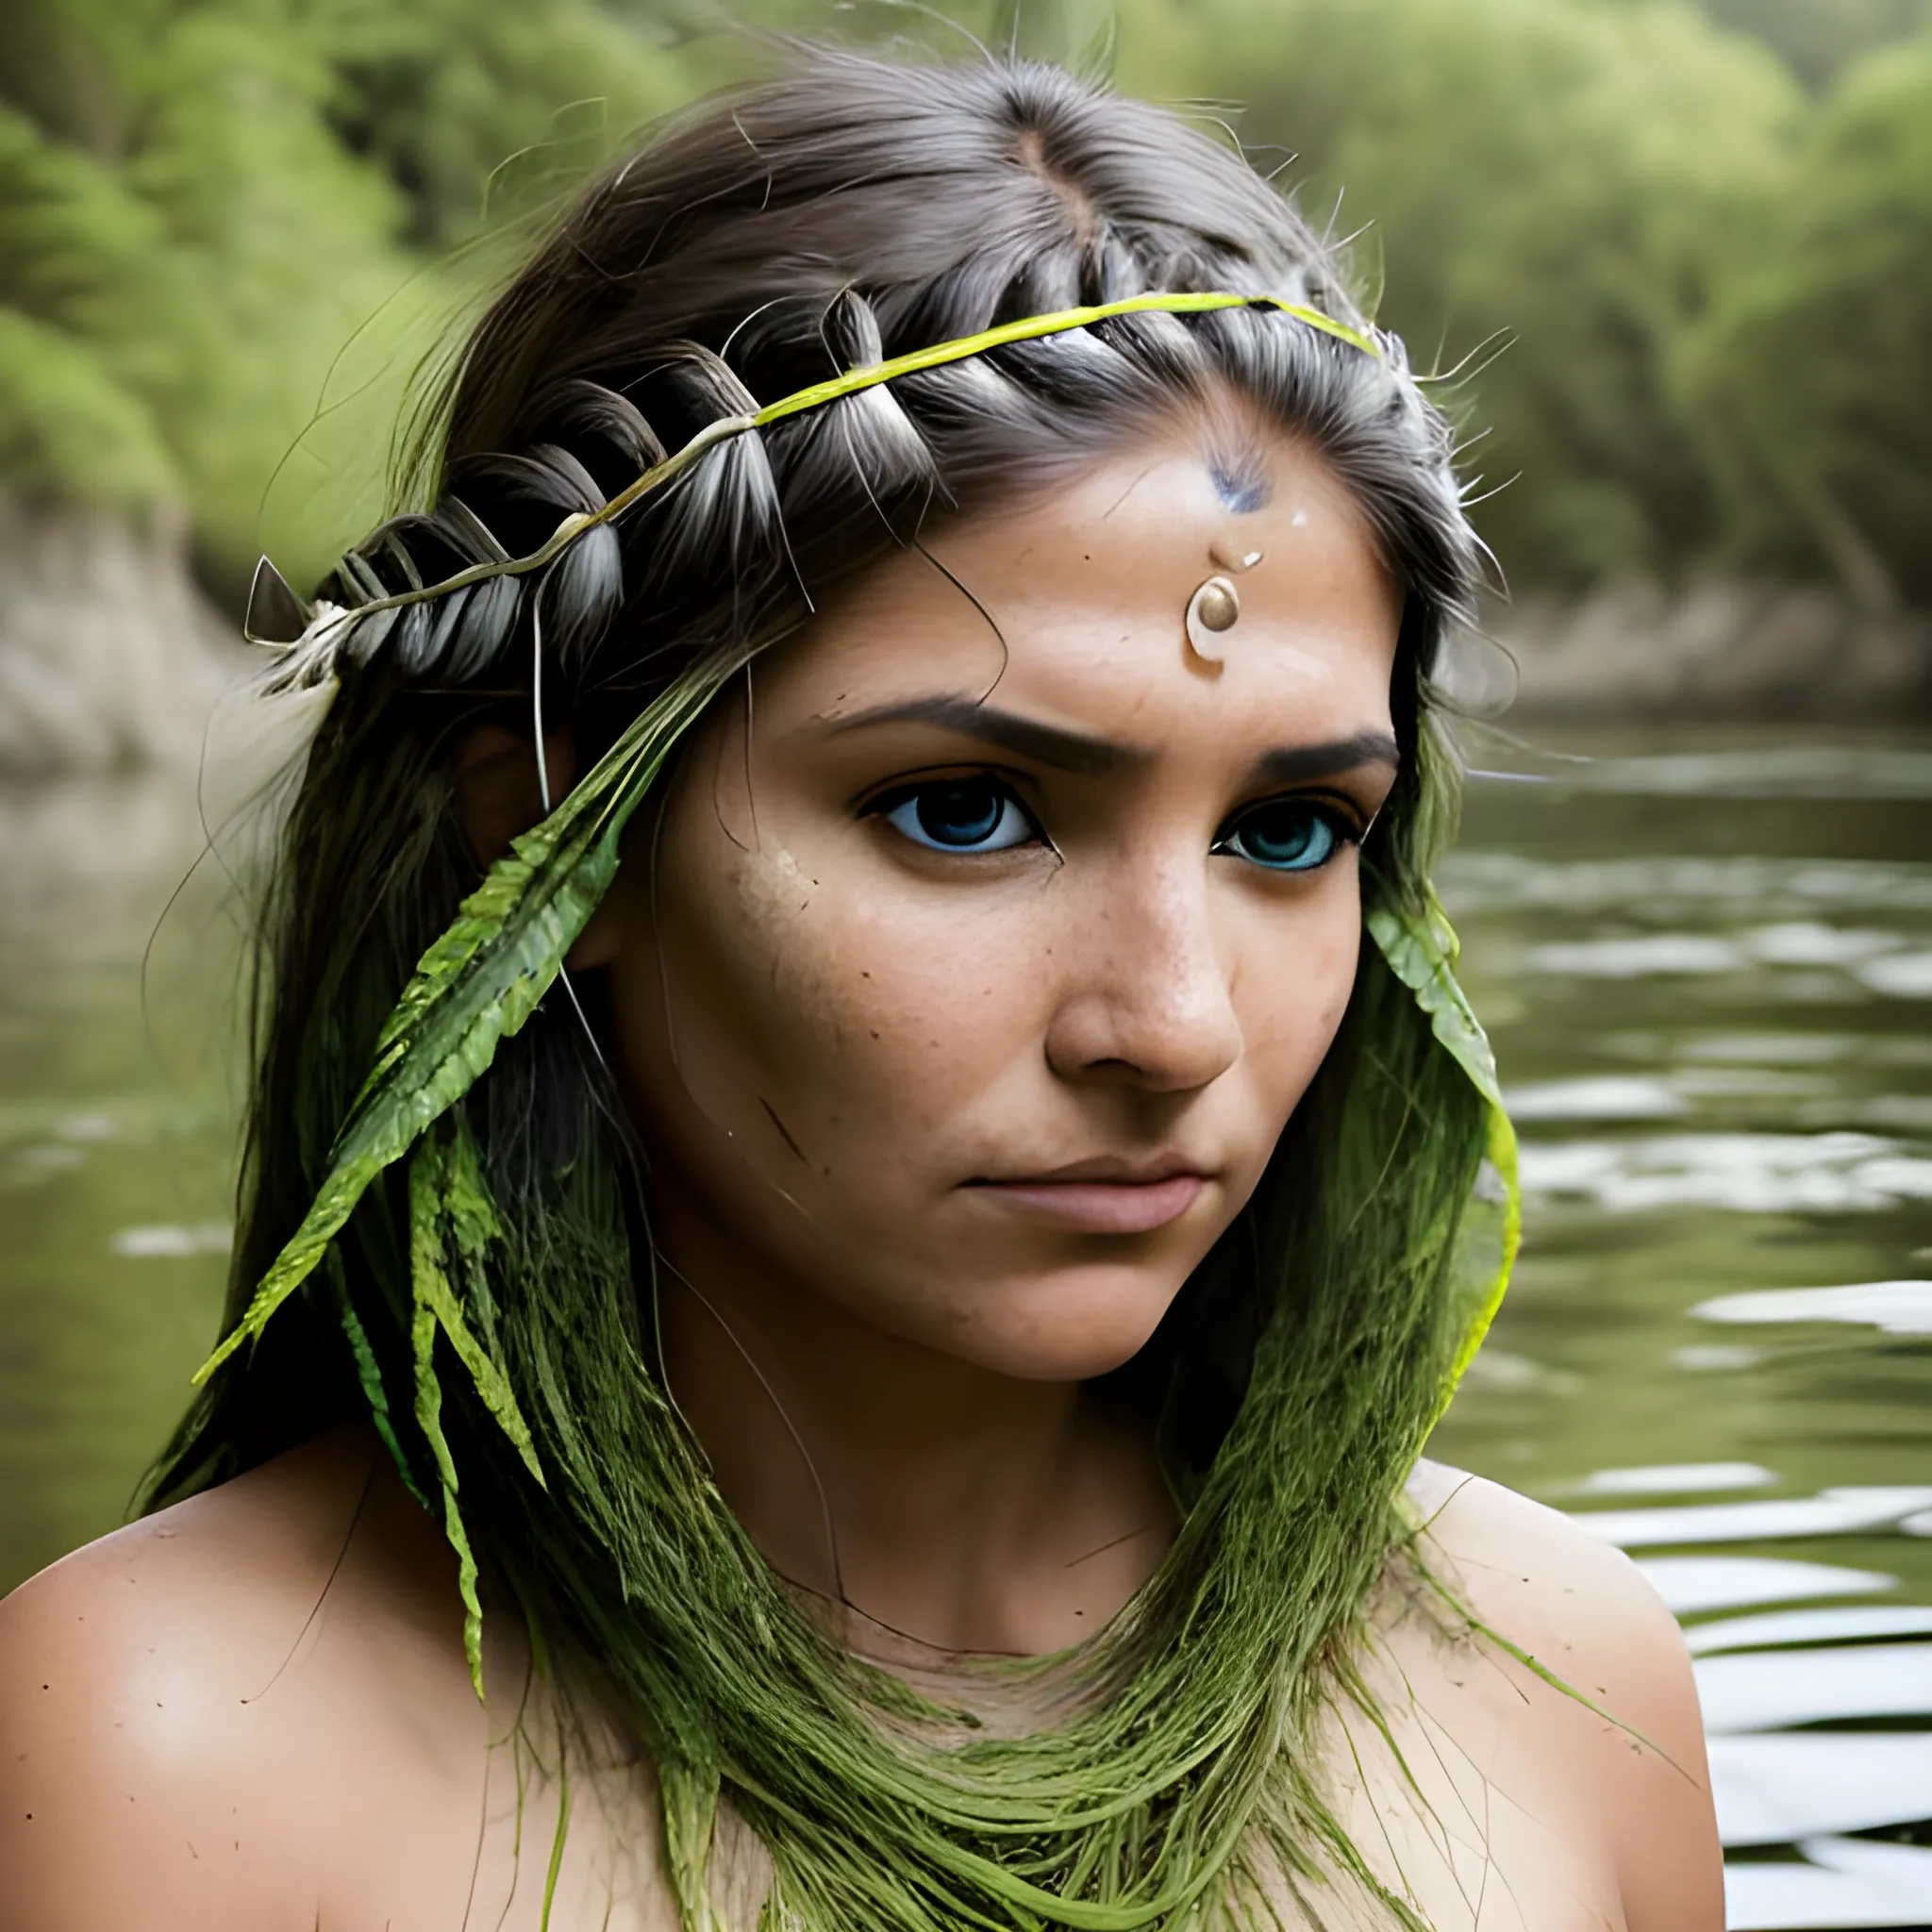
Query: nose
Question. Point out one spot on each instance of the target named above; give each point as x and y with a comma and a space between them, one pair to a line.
1147, 999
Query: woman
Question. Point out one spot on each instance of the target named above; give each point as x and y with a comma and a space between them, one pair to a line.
839, 1336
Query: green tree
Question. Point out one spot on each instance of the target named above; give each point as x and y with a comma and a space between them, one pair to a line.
473, 109
226, 211
1819, 37
226, 236
1569, 181
1813, 378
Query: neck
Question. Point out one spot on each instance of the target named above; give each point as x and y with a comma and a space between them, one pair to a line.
924, 1496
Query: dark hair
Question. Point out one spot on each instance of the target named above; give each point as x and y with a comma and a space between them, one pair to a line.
850, 211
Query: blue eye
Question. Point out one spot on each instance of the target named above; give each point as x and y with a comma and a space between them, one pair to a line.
1284, 834
961, 815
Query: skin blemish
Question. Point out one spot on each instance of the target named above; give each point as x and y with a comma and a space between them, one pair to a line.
784, 1132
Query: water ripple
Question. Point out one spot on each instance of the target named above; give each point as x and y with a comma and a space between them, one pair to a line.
1839, 1173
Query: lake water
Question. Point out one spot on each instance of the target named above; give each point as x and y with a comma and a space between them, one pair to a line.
1706, 961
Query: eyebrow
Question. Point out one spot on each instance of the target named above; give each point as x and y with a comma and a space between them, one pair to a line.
1048, 744
1087, 756
1297, 764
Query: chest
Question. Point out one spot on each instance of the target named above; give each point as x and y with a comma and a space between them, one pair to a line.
1464, 1799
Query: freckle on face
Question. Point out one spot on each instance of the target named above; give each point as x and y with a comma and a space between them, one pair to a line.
1118, 988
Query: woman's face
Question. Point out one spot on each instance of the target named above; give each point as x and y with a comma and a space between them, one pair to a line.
992, 932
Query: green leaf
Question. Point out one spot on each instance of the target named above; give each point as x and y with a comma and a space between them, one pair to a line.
369, 1372
425, 1267
480, 982
1421, 949
462, 1205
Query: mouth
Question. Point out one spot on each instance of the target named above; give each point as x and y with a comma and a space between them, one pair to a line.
1104, 1196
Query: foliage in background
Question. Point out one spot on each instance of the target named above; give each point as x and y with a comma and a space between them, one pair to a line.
202, 206
1815, 374
226, 225
1578, 180
1819, 37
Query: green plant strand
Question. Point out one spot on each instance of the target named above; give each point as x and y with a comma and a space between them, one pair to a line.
426, 1259
553, 1870
470, 1220
369, 1372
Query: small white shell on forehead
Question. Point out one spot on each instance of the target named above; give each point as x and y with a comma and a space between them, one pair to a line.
1212, 612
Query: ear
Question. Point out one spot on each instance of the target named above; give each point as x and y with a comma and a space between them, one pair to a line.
499, 793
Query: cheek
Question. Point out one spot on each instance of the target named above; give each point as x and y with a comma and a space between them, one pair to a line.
805, 1004
1291, 996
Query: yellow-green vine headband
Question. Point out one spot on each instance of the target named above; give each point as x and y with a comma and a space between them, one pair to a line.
279, 618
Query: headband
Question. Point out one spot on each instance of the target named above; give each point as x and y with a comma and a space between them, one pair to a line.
311, 639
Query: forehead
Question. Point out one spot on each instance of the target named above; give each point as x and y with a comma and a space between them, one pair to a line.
1074, 603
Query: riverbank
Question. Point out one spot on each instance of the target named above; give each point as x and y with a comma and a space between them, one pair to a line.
1722, 650
111, 656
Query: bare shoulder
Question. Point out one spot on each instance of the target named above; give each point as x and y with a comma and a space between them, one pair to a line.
1577, 1605
1539, 1580
241, 1543
1621, 1720
174, 1697
178, 1614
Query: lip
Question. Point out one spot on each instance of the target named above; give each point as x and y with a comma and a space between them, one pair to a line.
1104, 1196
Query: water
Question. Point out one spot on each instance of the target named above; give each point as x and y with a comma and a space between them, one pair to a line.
1706, 962
115, 1149
1707, 967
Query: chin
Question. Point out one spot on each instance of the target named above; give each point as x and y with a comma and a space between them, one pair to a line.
1068, 1326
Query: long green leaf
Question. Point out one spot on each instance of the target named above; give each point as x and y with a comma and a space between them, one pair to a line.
426, 1266
1421, 950
434, 1290
480, 982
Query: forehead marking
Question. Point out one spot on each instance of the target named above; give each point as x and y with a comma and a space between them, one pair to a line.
1244, 490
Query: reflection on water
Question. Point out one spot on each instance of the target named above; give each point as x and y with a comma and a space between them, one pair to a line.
114, 1147
1897, 1308
1707, 967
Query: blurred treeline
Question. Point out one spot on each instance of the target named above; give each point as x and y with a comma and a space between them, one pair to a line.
229, 230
